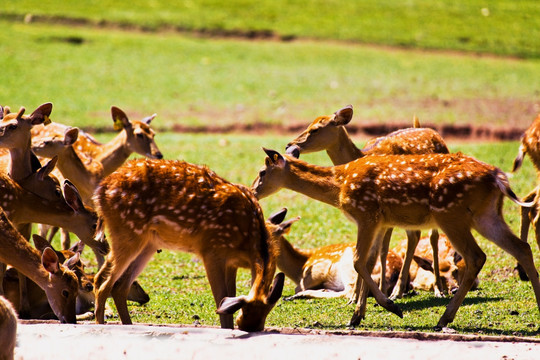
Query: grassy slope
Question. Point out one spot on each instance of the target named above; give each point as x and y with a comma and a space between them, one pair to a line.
206, 81
500, 27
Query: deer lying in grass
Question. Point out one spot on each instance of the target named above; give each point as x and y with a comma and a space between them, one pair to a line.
329, 133
452, 192
421, 272
152, 204
326, 271
8, 329
530, 145
56, 279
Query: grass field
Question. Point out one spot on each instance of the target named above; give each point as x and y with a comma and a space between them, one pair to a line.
180, 292
461, 62
502, 27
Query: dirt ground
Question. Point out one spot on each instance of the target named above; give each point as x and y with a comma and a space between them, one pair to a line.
38, 340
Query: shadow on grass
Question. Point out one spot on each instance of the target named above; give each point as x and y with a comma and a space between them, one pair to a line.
412, 304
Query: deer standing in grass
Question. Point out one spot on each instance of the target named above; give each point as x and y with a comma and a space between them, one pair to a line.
56, 279
530, 145
85, 161
152, 204
134, 137
329, 133
8, 329
326, 271
451, 192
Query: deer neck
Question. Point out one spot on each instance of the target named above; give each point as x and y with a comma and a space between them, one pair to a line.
72, 167
114, 153
343, 150
20, 164
291, 260
18, 252
317, 182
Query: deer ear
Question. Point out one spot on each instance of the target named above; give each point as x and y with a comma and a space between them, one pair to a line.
49, 260
70, 136
78, 247
278, 217
285, 227
72, 196
120, 119
423, 263
72, 261
277, 288
147, 120
41, 243
44, 171
230, 305
343, 116
41, 114
275, 157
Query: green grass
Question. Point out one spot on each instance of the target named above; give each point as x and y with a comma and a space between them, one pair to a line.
180, 293
193, 81
502, 27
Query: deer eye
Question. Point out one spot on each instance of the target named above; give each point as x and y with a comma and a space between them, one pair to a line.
65, 293
58, 193
12, 127
262, 173
140, 135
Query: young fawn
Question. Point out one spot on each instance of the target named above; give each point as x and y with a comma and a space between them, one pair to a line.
452, 192
326, 271
56, 279
8, 329
152, 204
329, 133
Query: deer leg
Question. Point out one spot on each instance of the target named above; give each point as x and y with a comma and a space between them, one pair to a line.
496, 230
434, 241
217, 274
474, 258
2, 272
528, 215
412, 241
385, 245
366, 236
65, 239
122, 286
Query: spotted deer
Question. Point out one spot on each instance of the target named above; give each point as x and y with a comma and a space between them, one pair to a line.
134, 137
329, 133
56, 279
8, 329
326, 271
152, 204
530, 145
451, 192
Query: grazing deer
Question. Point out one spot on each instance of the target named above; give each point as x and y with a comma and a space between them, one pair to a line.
329, 133
56, 279
134, 137
152, 204
452, 192
8, 329
326, 271
530, 145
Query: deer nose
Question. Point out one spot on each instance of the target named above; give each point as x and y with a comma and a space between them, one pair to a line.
159, 156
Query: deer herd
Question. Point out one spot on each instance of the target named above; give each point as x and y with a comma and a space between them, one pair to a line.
407, 179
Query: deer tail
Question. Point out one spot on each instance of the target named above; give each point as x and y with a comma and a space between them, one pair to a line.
502, 182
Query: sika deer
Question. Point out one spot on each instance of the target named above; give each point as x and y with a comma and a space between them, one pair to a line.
452, 192
329, 133
134, 137
8, 329
56, 279
152, 204
530, 144
326, 271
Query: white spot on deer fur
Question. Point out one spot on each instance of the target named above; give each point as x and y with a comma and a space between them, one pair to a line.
352, 187
354, 175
